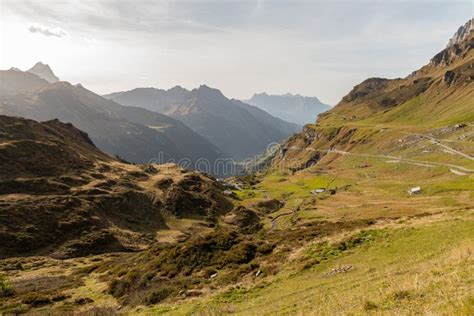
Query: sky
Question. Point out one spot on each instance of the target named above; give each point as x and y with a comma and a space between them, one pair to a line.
313, 48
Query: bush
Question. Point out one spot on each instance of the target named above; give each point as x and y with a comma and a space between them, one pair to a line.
369, 306
5, 288
402, 295
265, 248
118, 287
157, 296
36, 300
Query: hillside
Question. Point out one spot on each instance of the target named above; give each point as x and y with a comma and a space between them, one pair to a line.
238, 129
63, 197
289, 107
414, 117
135, 134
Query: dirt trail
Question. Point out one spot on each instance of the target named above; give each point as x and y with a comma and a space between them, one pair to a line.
452, 150
293, 214
438, 143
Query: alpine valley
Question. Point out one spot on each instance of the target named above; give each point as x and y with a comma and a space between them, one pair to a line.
368, 210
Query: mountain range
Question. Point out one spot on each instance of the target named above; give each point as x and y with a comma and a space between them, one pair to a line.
135, 134
290, 107
240, 130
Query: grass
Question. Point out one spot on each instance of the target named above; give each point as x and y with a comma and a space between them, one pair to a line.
430, 111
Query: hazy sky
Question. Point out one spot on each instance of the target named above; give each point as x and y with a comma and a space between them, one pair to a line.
315, 48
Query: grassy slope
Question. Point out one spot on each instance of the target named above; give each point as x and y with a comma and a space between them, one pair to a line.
425, 266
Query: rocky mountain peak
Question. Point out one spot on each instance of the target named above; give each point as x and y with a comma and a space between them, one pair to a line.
44, 71
462, 33
208, 92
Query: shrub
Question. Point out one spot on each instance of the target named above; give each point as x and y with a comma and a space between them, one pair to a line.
5, 288
369, 306
36, 300
118, 287
402, 295
265, 248
157, 296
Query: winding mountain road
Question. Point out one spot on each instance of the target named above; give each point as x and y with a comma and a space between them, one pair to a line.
392, 158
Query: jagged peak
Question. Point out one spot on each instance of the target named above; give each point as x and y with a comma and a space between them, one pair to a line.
44, 71
208, 91
286, 95
40, 64
462, 33
178, 88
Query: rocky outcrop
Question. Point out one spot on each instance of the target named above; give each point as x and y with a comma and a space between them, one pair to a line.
462, 33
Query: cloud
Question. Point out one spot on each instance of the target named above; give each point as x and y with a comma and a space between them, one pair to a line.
47, 31
320, 47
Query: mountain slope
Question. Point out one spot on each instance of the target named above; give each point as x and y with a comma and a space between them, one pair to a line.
14, 81
293, 108
134, 134
379, 115
62, 196
238, 129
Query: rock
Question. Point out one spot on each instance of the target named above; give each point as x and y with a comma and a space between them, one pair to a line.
83, 300
449, 77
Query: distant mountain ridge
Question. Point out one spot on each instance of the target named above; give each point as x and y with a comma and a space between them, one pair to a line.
134, 134
240, 130
293, 108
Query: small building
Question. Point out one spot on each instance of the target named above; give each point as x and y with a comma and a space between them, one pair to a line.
415, 190
228, 192
318, 191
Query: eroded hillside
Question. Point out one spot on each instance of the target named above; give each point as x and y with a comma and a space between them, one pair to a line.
63, 197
